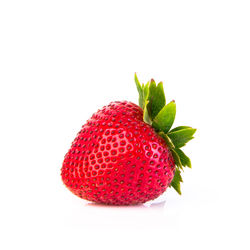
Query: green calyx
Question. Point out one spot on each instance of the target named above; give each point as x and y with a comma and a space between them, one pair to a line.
161, 117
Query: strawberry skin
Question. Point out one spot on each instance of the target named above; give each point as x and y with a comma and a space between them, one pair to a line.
118, 159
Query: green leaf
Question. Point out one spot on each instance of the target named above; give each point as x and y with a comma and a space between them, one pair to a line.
140, 91
146, 117
156, 98
177, 159
167, 140
176, 182
178, 128
145, 90
165, 118
185, 161
182, 136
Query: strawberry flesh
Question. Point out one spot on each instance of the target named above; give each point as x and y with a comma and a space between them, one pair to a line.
118, 159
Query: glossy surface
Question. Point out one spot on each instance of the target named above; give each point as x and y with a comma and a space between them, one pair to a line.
118, 159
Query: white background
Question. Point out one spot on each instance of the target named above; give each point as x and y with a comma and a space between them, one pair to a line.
62, 60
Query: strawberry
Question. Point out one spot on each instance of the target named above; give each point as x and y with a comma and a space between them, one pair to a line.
126, 154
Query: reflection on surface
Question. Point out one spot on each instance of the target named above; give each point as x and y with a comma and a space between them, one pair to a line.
152, 213
93, 214
151, 205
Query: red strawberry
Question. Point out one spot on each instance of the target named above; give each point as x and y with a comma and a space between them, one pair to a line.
125, 154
